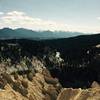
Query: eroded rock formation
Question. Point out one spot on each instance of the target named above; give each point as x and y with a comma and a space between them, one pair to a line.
35, 83
79, 94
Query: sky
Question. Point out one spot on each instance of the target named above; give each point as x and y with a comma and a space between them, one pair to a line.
59, 15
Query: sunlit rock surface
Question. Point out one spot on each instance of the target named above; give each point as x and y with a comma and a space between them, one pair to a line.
26, 86
79, 94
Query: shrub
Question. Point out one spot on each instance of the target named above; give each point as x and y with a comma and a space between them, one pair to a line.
23, 91
58, 87
16, 86
51, 80
53, 93
24, 83
47, 97
45, 72
2, 83
32, 70
7, 77
15, 76
24, 76
30, 76
44, 91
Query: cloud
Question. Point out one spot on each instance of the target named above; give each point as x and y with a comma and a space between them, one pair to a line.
1, 13
16, 19
16, 13
98, 18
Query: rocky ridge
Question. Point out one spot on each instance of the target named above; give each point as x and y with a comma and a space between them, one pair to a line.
35, 85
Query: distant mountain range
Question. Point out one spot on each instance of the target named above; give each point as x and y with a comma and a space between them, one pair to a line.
7, 33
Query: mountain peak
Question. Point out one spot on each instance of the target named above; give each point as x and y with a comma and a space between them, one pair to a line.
30, 34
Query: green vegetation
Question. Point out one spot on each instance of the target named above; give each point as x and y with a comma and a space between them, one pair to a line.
51, 80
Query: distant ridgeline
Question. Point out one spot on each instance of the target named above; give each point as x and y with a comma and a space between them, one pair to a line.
8, 33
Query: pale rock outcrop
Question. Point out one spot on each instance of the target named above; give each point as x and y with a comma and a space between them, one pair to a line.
79, 94
41, 87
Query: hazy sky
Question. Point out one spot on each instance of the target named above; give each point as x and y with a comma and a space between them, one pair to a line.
65, 15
